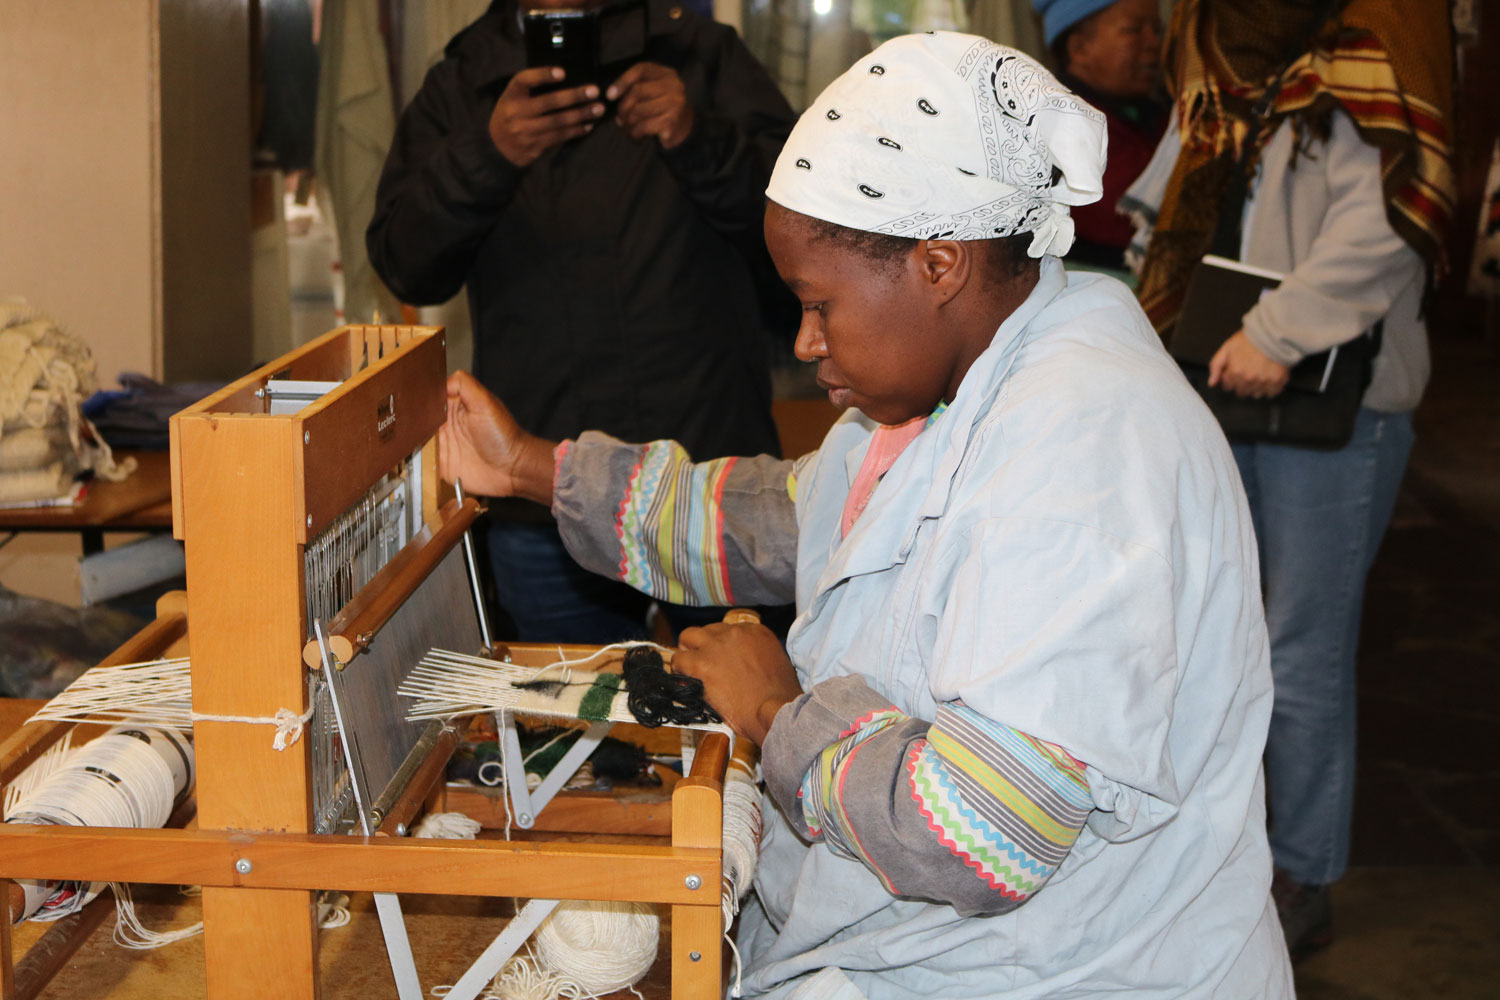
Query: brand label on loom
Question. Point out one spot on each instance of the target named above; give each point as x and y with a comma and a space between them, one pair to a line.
385, 419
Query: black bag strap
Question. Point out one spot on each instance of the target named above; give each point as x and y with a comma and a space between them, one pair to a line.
1227, 232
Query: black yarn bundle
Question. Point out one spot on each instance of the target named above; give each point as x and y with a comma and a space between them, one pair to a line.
659, 698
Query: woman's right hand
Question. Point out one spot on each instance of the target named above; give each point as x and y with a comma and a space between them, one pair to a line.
482, 446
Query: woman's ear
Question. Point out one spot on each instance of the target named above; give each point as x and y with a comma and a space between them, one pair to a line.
946, 266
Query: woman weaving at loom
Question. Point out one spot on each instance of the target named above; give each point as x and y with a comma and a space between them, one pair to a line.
1014, 736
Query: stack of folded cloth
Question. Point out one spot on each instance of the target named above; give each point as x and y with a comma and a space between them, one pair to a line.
137, 415
47, 448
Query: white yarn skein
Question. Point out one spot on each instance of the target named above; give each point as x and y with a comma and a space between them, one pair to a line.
599, 946
447, 826
120, 779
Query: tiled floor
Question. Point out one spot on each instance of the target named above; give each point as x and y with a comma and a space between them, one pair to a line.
1419, 914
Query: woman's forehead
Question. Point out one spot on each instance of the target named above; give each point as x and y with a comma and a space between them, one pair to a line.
799, 245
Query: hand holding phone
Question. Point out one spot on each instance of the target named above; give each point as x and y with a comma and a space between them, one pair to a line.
524, 124
653, 102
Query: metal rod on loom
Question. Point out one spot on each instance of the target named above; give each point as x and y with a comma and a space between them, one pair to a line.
484, 621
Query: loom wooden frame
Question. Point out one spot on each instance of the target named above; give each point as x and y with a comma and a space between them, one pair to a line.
249, 489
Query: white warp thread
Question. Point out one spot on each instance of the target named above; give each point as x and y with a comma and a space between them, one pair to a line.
154, 693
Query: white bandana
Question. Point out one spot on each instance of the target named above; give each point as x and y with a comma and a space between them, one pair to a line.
946, 136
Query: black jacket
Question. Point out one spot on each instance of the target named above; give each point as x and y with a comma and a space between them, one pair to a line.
613, 285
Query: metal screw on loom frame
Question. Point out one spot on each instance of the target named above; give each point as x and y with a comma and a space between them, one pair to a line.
307, 437
692, 881
694, 956
524, 819
400, 829
243, 866
309, 520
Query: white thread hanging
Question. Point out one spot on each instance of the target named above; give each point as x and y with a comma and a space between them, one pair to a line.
131, 933
740, 848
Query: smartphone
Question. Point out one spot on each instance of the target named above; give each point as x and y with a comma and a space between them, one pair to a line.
566, 37
592, 46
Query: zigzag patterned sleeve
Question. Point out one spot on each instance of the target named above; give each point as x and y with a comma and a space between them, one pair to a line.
709, 533
963, 810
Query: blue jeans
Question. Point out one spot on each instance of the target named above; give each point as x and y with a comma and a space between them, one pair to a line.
1319, 517
550, 598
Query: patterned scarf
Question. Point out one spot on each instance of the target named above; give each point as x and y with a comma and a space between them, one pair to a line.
1388, 65
946, 136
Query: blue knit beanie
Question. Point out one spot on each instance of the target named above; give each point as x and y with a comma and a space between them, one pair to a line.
1060, 15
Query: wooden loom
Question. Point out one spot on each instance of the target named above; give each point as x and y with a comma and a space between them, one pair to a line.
260, 470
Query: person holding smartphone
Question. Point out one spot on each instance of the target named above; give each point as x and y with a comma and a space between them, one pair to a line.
608, 233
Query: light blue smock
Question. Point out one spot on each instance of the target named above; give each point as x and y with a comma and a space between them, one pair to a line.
1068, 550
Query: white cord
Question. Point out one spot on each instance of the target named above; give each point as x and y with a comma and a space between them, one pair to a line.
131, 933
288, 724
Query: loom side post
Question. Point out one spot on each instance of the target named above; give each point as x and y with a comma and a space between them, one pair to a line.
698, 821
239, 496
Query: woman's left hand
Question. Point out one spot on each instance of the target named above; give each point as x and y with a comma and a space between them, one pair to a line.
1239, 367
746, 674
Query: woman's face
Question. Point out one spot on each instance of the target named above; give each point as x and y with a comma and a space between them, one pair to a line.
869, 324
1118, 50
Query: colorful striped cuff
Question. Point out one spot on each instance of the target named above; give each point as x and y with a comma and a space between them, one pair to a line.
1008, 805
670, 525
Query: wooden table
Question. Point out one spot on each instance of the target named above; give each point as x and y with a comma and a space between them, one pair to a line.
140, 502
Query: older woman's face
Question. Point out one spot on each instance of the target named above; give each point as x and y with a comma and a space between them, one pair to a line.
863, 323
1118, 50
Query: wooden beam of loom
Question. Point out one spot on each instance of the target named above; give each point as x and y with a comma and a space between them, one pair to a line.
291, 861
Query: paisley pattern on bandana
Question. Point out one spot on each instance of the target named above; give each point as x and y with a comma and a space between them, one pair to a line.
945, 135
